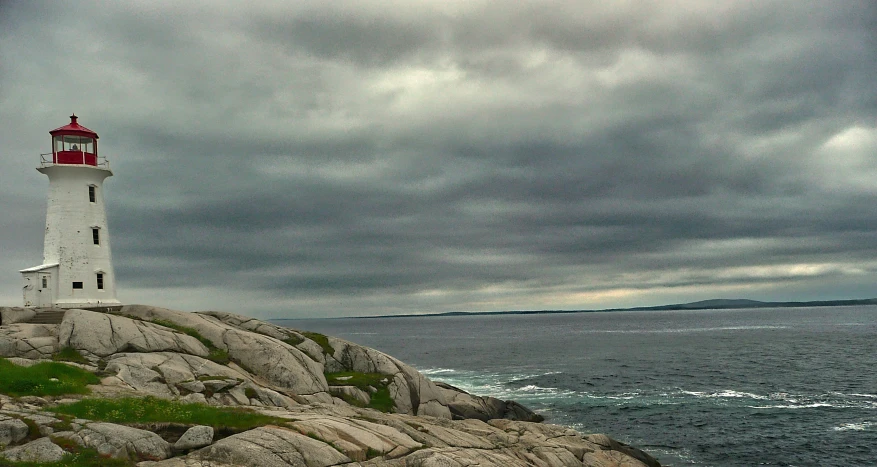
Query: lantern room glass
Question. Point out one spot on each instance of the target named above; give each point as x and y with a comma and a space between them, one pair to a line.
74, 143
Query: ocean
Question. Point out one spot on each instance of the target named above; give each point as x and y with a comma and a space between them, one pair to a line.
775, 386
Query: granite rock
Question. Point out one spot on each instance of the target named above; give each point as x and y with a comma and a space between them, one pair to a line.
102, 334
194, 438
40, 450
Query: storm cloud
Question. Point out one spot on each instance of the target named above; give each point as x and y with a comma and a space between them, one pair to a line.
292, 159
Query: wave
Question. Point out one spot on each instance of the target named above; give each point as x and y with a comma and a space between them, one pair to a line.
529, 388
814, 405
785, 400
514, 386
437, 371
726, 393
861, 426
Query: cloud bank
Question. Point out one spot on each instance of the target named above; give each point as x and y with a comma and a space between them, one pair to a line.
374, 157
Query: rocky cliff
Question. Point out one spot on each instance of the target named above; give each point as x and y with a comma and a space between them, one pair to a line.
332, 402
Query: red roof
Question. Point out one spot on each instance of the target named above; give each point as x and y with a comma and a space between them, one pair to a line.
73, 128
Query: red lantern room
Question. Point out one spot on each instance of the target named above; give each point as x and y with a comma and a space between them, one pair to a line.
74, 144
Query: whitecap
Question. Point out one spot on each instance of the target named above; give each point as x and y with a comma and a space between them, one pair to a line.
724, 393
437, 371
804, 406
861, 426
736, 394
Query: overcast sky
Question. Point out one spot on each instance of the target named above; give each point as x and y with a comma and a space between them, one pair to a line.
306, 159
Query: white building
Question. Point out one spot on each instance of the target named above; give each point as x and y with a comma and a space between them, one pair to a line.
77, 269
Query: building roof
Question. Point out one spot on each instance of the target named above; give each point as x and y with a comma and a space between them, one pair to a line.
40, 267
73, 128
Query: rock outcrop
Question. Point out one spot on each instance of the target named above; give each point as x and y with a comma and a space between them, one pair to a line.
321, 391
463, 405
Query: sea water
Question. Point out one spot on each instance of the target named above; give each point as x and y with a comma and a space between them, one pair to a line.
780, 386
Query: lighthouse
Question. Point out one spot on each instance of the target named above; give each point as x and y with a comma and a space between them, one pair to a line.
77, 269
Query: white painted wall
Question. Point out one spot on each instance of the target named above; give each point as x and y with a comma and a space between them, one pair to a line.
70, 217
39, 293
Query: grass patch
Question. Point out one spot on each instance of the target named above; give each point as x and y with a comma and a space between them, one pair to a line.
44, 379
64, 424
212, 378
321, 340
360, 380
69, 354
380, 399
294, 340
216, 355
219, 356
154, 410
33, 430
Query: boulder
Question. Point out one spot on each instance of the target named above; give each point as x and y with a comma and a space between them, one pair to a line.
291, 336
119, 441
40, 450
194, 438
12, 430
456, 457
610, 459
609, 444
103, 334
356, 438
277, 362
412, 392
12, 315
464, 405
168, 374
33, 341
268, 446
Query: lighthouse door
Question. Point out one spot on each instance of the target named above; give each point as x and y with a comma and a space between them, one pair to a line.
44, 285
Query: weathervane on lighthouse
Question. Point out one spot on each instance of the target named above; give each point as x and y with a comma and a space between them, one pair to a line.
77, 269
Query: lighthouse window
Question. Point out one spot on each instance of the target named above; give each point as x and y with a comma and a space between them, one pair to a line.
77, 285
92, 196
100, 281
45, 282
95, 235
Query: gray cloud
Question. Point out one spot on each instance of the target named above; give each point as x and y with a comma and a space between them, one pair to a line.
319, 160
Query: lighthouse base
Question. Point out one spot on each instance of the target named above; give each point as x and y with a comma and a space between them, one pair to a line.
108, 305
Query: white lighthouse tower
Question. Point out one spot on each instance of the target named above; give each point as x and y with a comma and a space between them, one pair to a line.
77, 269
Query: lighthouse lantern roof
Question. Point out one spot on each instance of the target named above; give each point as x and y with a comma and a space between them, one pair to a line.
73, 129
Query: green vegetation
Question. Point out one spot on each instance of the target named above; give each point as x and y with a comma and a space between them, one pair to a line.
154, 410
380, 399
33, 430
294, 340
44, 379
69, 354
320, 339
214, 378
360, 380
216, 354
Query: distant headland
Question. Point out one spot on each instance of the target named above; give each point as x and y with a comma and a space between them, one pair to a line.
714, 304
